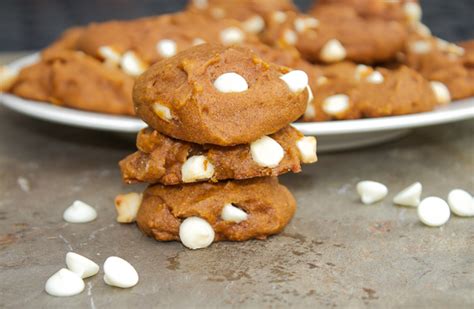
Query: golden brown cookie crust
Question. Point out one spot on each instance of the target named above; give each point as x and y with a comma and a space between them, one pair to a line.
200, 113
269, 205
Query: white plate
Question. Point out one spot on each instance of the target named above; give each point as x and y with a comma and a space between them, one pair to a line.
332, 135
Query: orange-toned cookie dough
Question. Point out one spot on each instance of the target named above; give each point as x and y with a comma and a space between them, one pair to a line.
161, 159
74, 79
268, 206
350, 91
212, 94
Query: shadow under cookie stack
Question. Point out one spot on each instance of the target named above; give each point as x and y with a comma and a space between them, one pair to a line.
219, 133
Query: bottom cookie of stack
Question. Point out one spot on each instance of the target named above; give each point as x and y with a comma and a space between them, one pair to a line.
201, 213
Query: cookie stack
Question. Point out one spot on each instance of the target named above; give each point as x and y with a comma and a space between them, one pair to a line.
219, 133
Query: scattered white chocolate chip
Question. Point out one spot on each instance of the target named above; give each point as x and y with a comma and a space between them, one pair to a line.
303, 23
81, 265
79, 212
162, 111
333, 51
412, 11
196, 233
232, 35
422, 30
119, 273
310, 112
131, 64
8, 76
420, 47
290, 37
64, 283
336, 105
198, 41
266, 152
127, 206
296, 80
166, 48
254, 24
433, 211
200, 4
218, 13
233, 214
231, 82
321, 80
441, 92
410, 196
307, 147
196, 168
279, 17
110, 55
362, 71
461, 203
375, 78
371, 191
449, 47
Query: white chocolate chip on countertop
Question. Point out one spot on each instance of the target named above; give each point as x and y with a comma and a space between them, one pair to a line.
166, 48
333, 51
162, 111
441, 92
232, 35
433, 211
81, 265
127, 206
254, 24
196, 233
296, 80
412, 11
371, 191
197, 168
231, 82
79, 212
266, 152
131, 64
461, 203
290, 37
410, 196
233, 214
336, 105
110, 55
64, 283
307, 149
119, 273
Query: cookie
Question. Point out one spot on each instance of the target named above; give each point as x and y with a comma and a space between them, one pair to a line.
335, 33
74, 79
161, 159
250, 12
211, 94
350, 91
267, 206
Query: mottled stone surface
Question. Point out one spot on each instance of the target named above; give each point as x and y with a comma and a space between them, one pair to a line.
336, 252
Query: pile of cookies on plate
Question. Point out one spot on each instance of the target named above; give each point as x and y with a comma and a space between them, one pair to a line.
219, 133
368, 58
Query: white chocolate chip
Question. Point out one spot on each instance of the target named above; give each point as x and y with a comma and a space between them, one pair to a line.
461, 203
79, 212
218, 13
81, 265
197, 168
127, 206
433, 211
200, 4
412, 11
110, 55
232, 35
307, 147
254, 24
8, 77
449, 47
279, 17
410, 196
441, 92
362, 71
231, 82
233, 214
196, 233
375, 78
198, 41
321, 80
162, 111
442, 44
422, 30
266, 152
64, 283
296, 80
119, 273
333, 51
290, 37
420, 47
310, 111
371, 191
166, 48
131, 64
303, 23
336, 105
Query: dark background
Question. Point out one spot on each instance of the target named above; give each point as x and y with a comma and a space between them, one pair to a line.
33, 24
